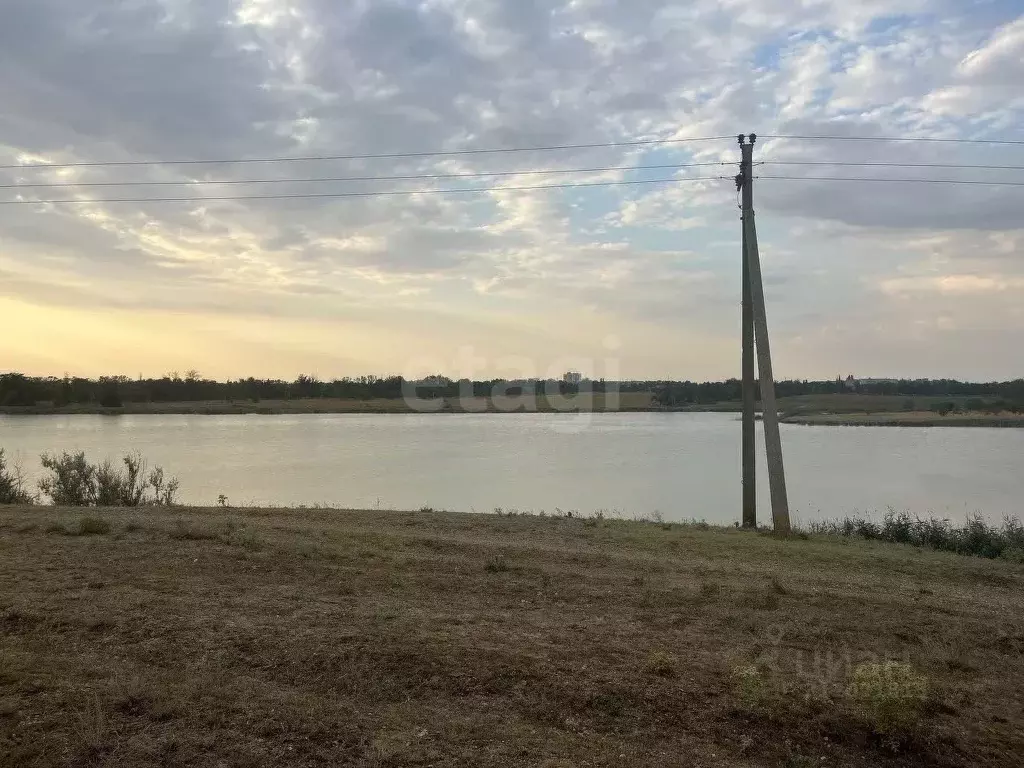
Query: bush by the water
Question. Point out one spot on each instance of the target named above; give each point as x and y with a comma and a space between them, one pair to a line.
12, 484
74, 482
71, 481
974, 537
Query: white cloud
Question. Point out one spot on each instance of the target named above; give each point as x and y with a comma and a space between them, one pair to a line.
987, 78
193, 79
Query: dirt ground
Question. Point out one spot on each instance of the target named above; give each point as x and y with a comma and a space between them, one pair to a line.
324, 638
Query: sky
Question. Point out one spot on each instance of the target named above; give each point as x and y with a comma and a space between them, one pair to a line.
637, 281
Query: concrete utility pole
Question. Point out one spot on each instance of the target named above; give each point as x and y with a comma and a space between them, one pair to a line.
749, 393
769, 409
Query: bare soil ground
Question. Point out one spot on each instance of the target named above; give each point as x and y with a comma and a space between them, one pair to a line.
315, 638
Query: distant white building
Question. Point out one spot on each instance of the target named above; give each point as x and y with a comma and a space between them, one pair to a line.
572, 377
852, 384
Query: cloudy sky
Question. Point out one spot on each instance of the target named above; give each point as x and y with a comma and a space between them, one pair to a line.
638, 281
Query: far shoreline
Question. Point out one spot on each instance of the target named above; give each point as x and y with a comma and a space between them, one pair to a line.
909, 419
627, 403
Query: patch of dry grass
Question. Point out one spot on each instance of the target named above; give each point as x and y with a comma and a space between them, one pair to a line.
311, 637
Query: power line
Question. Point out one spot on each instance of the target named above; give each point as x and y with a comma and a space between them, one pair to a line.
195, 182
898, 181
895, 165
1012, 142
388, 193
496, 150
389, 155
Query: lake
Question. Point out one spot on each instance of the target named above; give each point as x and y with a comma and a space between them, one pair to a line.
681, 465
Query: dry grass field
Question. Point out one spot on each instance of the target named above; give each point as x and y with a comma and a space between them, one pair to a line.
323, 638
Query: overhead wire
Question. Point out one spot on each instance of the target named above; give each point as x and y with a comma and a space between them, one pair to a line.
926, 139
465, 190
892, 180
406, 177
485, 174
490, 150
375, 193
376, 156
846, 163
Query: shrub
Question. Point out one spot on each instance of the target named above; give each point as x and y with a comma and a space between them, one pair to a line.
164, 491
751, 686
133, 489
1013, 530
661, 664
1014, 555
12, 484
115, 488
890, 696
976, 537
897, 527
74, 482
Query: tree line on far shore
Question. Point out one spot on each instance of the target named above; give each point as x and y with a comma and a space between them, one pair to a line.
17, 389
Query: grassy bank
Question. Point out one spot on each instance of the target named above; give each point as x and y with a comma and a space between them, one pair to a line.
626, 401
854, 409
974, 538
848, 409
907, 419
287, 638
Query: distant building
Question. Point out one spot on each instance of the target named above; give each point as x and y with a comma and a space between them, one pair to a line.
853, 384
573, 378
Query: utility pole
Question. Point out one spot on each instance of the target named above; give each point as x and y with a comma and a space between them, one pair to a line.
769, 408
749, 391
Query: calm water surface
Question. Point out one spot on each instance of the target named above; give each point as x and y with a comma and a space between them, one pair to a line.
681, 465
